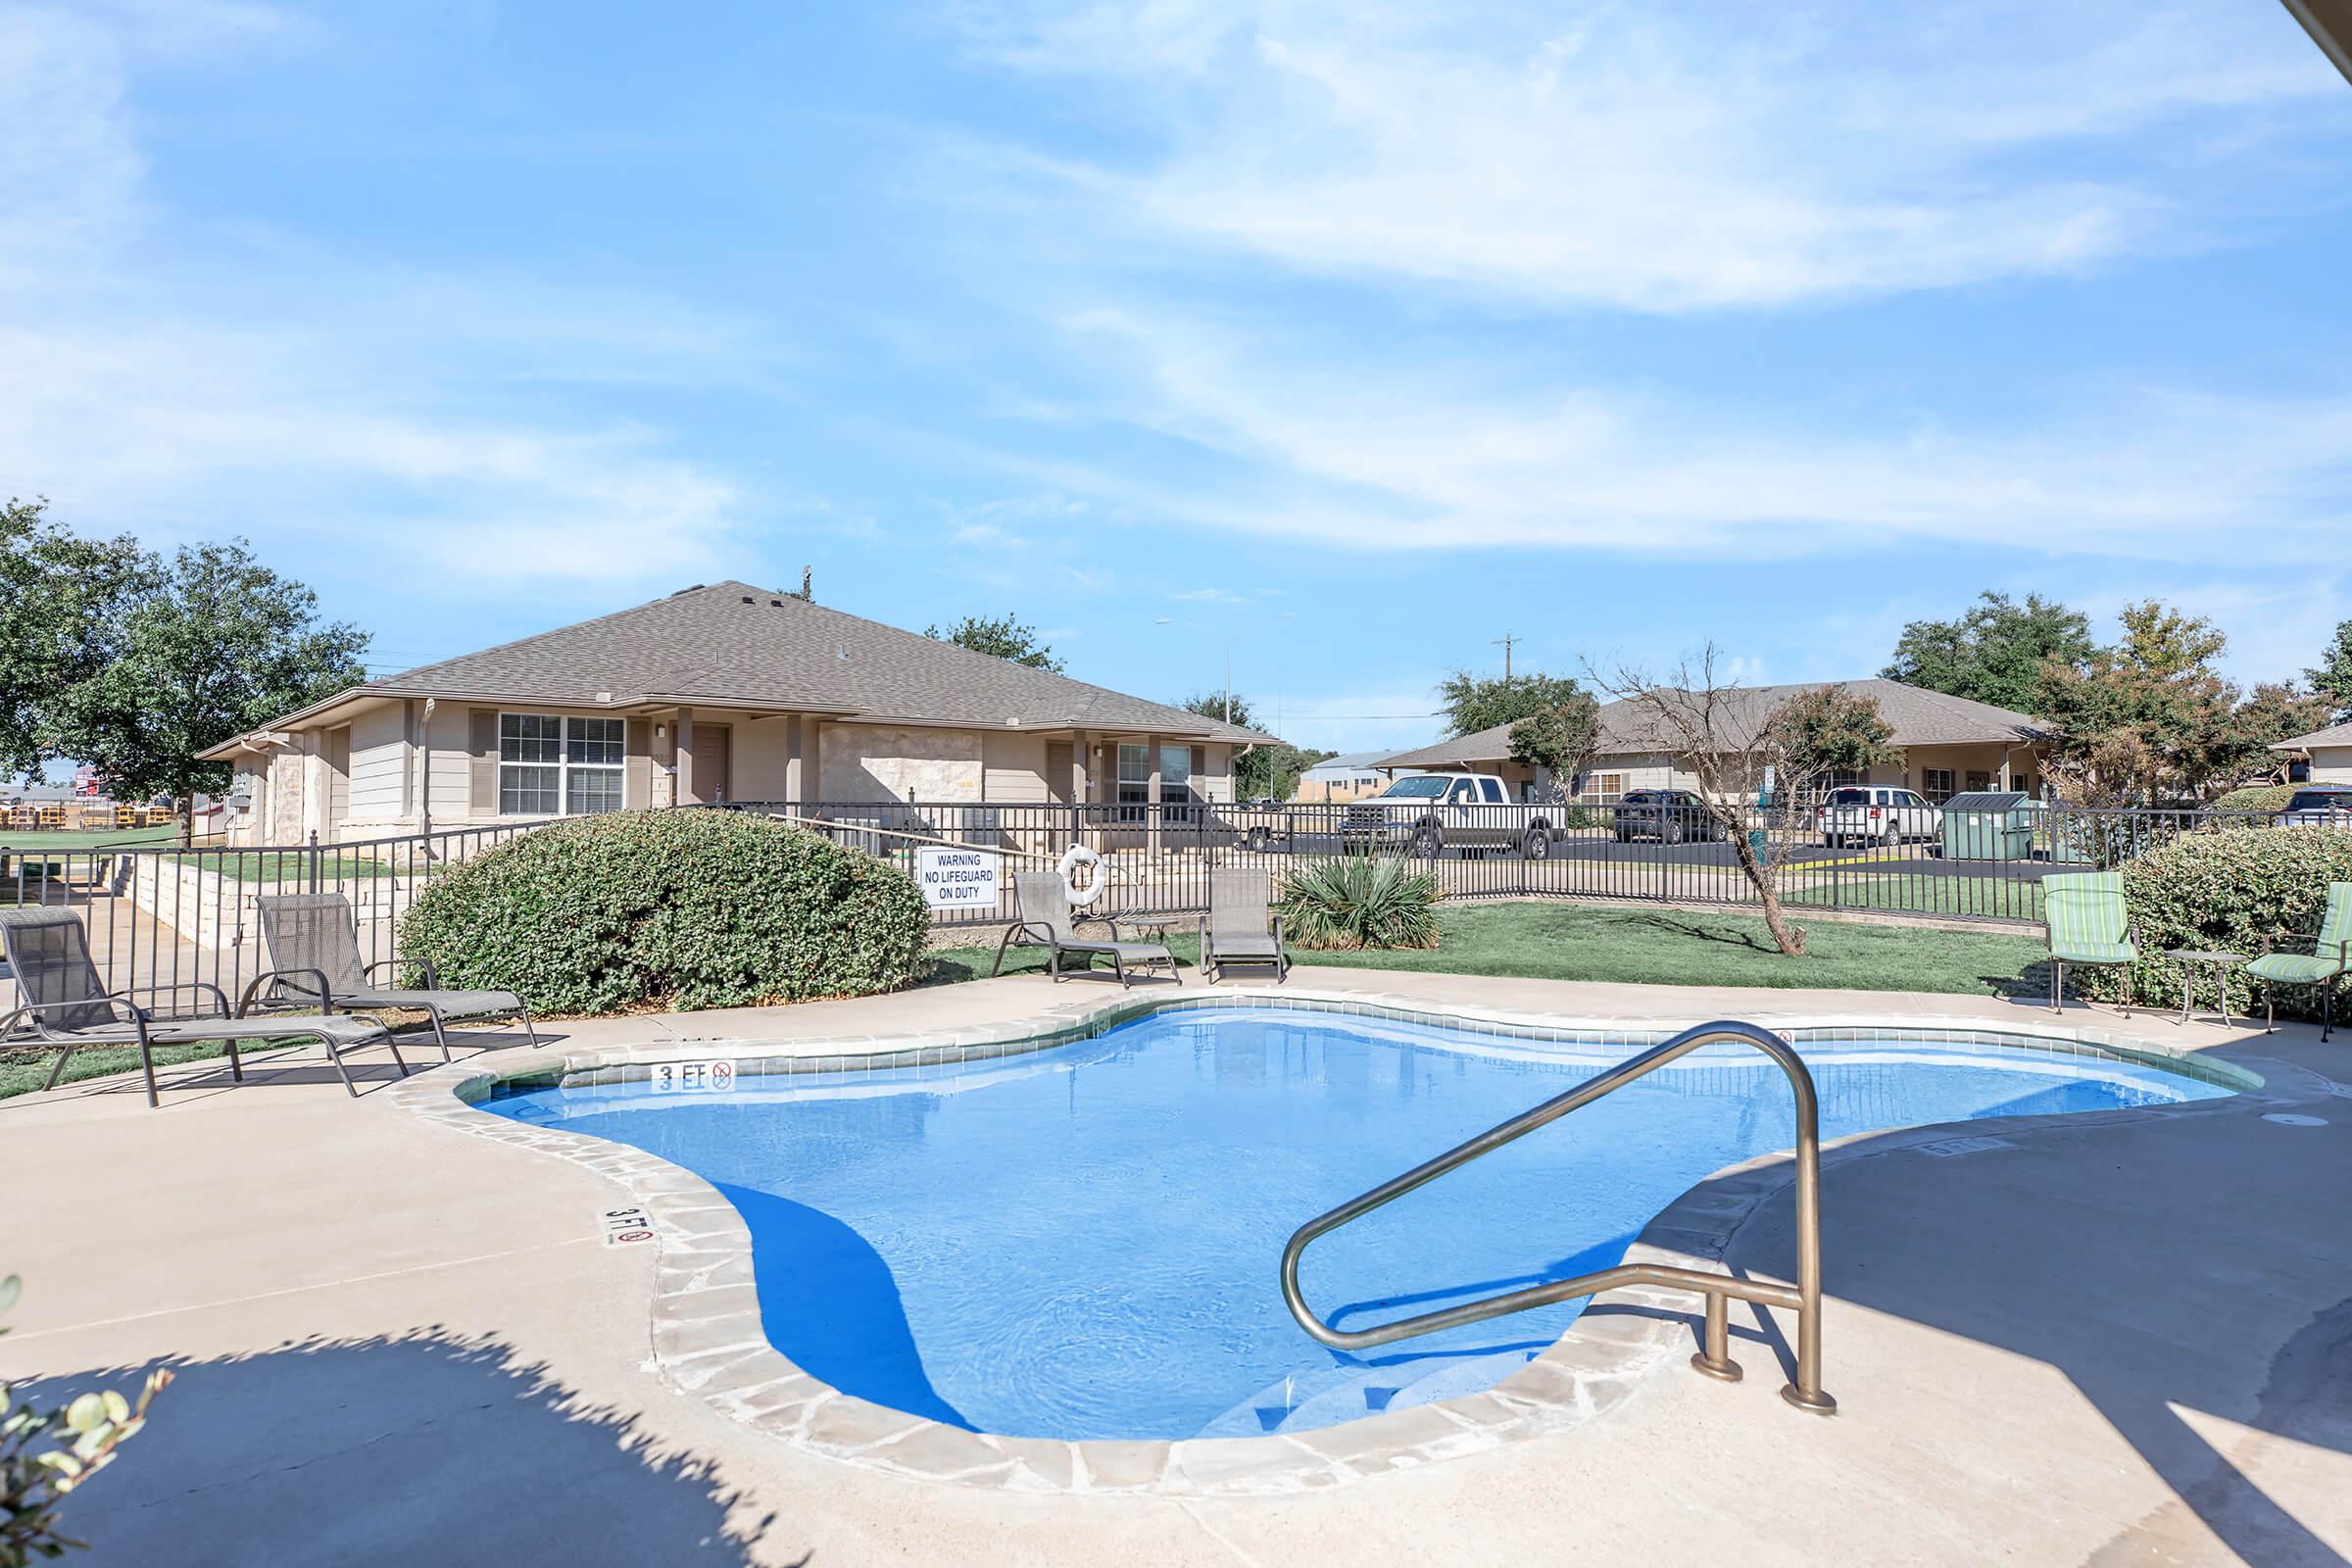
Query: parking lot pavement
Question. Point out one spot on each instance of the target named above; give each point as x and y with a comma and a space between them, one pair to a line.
1914, 859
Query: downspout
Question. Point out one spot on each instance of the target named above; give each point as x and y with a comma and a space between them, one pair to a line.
424, 785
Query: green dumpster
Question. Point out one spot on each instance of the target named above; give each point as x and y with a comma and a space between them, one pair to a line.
1988, 825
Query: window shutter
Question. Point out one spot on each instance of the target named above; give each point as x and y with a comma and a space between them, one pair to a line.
637, 771
481, 762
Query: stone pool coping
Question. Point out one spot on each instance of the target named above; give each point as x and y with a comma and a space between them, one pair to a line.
708, 1340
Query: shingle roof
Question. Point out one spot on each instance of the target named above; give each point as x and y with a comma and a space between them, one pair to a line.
1348, 763
2333, 735
731, 643
1918, 718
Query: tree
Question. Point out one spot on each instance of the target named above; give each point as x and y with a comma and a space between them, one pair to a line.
1473, 703
1558, 739
1996, 652
2272, 712
211, 646
1732, 740
1004, 637
60, 600
2333, 679
2148, 718
1261, 770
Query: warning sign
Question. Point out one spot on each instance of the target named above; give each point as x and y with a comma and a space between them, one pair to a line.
957, 879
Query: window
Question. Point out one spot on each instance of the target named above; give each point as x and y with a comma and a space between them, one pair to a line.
1464, 792
1492, 790
550, 766
1936, 784
1175, 781
1838, 778
1979, 781
1602, 789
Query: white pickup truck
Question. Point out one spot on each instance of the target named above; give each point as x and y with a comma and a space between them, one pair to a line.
1424, 813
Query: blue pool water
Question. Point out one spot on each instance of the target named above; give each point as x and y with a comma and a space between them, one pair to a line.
1083, 1243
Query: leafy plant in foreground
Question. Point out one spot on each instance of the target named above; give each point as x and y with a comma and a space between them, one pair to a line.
44, 1454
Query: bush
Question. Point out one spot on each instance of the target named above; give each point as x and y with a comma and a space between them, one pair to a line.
1357, 900
2229, 890
681, 908
2258, 798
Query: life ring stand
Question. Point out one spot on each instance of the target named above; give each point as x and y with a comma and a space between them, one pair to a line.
1076, 856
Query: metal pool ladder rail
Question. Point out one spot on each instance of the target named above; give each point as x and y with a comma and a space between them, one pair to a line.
1715, 1359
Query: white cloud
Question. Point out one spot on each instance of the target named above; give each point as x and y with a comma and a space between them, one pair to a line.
1350, 449
179, 381
1628, 157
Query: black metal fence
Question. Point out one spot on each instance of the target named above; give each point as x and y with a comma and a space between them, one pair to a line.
1920, 861
167, 915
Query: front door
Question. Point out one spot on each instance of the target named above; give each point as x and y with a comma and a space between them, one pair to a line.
713, 754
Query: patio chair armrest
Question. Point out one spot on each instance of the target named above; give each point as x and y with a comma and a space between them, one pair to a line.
1109, 921
169, 987
276, 979
433, 975
32, 1011
1030, 932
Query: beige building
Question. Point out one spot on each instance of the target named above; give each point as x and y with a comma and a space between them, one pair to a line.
2329, 751
1950, 745
719, 693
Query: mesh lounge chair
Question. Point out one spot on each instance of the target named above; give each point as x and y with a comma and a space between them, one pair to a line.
66, 1004
1048, 921
2330, 960
314, 962
2089, 925
1241, 927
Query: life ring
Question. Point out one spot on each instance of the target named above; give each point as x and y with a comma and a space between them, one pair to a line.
1076, 856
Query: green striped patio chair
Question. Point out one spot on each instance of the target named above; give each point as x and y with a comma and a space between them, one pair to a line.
2090, 925
2329, 959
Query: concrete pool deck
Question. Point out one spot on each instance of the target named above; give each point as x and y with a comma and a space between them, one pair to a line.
2116, 1340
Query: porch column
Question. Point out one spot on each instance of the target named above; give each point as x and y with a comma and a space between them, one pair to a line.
795, 772
1151, 808
683, 790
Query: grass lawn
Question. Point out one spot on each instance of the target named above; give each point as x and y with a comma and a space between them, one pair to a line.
1653, 946
294, 866
35, 840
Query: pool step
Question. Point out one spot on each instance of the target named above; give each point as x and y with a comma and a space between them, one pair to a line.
1457, 1376
1324, 1396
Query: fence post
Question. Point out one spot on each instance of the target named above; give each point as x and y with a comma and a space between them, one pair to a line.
313, 861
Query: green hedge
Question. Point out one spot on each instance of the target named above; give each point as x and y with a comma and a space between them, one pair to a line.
2227, 890
679, 909
2258, 798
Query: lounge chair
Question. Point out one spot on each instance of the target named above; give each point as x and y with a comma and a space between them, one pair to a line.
1241, 927
314, 962
2330, 960
66, 1004
2090, 926
1047, 920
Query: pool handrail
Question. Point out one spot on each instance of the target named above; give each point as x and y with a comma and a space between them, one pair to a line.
1714, 1360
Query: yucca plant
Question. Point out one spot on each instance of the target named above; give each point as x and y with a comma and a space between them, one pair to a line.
1359, 902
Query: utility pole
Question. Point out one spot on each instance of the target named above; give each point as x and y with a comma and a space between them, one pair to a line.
1504, 642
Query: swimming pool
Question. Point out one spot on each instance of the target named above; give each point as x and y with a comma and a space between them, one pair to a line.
1081, 1241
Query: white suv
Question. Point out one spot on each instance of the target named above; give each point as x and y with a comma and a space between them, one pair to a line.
1876, 813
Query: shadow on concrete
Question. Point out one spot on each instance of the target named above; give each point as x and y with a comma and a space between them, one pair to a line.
426, 1448
2161, 1263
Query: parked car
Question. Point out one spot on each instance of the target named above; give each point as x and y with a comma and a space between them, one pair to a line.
2319, 806
1424, 813
1668, 816
1876, 813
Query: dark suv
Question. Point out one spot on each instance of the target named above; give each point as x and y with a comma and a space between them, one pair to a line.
2319, 806
1668, 816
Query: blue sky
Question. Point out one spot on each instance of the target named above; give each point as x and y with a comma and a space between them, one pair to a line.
1350, 342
